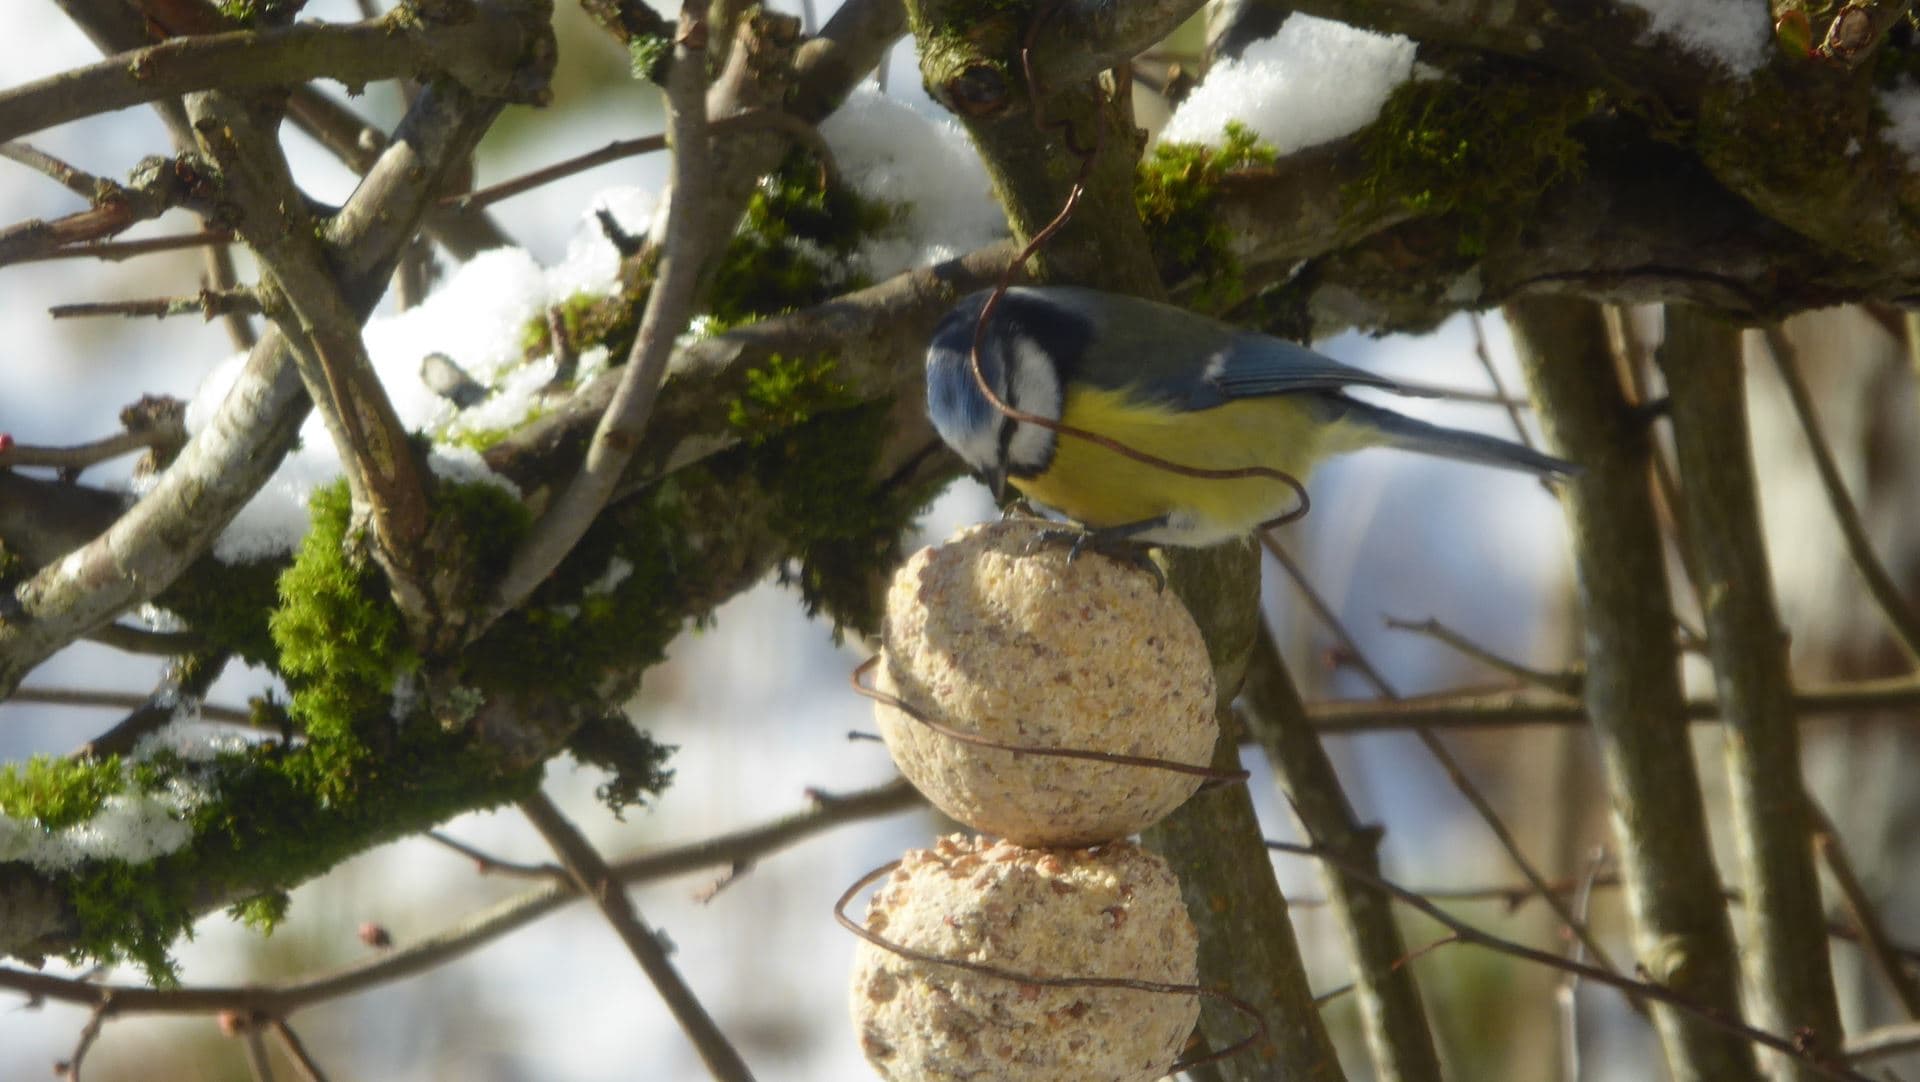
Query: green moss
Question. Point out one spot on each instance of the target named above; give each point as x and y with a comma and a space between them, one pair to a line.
637, 763
594, 615
58, 793
1175, 195
785, 391
342, 642
227, 604
122, 915
275, 814
648, 55
839, 525
811, 447
579, 316
1481, 149
477, 526
481, 439
359, 773
795, 244
262, 912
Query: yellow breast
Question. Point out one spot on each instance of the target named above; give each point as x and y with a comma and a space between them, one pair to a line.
1100, 487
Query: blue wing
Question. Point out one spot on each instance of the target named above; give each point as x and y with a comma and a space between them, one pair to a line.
1166, 354
1252, 365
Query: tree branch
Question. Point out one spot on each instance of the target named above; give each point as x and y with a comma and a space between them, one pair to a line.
591, 877
1442, 755
1632, 689
310, 306
480, 53
1789, 1047
1394, 1019
1247, 942
1887, 595
478, 929
1509, 708
683, 259
222, 467
1079, 39
1786, 954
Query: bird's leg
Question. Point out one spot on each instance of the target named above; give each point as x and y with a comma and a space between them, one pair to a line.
1018, 507
1114, 542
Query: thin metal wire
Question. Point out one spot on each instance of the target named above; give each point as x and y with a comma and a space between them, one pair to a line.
1258, 1033
1212, 777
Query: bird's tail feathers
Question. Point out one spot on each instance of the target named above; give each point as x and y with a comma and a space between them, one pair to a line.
1396, 430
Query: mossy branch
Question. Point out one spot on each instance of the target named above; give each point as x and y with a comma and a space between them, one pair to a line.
222, 467
366, 768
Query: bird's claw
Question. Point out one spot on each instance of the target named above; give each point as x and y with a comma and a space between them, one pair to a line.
1117, 548
1019, 508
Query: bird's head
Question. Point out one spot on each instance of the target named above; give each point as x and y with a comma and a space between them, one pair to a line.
1024, 356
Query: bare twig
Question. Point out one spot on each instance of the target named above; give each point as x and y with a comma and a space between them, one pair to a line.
1874, 938
1660, 993
117, 700
243, 60
1884, 1042
621, 149
1420, 389
669, 306
296, 1051
593, 878
1513, 896
177, 689
221, 276
1485, 357
488, 864
1632, 692
255, 1044
158, 185
138, 640
89, 1033
1451, 766
116, 250
1564, 682
357, 143
1886, 593
81, 455
78, 181
1399, 1038
1567, 995
207, 304
1494, 709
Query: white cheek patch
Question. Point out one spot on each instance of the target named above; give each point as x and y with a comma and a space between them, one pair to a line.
1036, 382
1036, 390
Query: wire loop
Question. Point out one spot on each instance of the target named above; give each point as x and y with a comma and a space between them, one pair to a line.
1259, 1025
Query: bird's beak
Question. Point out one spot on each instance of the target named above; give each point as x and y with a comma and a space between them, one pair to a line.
997, 481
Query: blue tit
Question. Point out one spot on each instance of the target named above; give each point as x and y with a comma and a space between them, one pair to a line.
1173, 384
